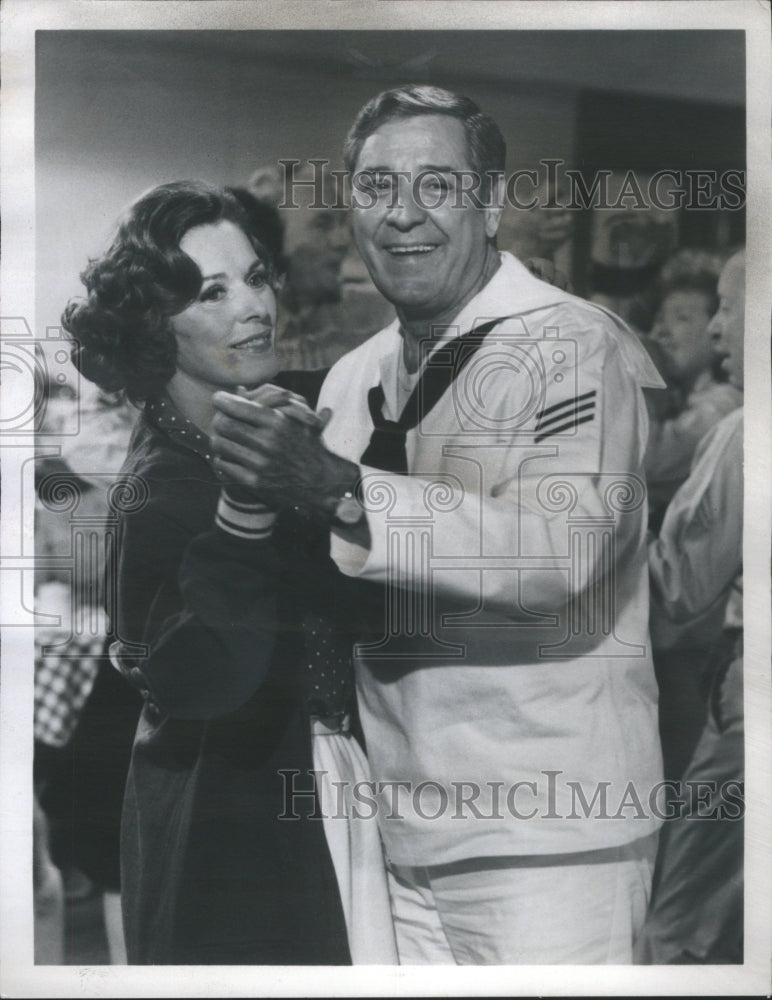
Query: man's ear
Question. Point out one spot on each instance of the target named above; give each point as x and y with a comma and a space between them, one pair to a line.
495, 206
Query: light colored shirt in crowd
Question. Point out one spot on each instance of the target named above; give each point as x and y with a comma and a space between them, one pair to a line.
696, 562
673, 442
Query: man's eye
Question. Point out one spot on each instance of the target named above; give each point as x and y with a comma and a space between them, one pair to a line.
212, 293
434, 183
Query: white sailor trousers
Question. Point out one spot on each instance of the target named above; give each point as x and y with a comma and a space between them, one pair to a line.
582, 909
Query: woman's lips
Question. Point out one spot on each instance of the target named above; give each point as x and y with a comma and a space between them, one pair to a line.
256, 343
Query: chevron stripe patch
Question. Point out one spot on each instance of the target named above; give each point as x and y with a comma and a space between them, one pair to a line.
566, 415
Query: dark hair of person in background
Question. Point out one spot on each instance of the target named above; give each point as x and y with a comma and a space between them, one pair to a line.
486, 145
701, 281
123, 339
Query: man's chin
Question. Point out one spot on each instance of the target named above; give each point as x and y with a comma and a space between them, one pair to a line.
418, 300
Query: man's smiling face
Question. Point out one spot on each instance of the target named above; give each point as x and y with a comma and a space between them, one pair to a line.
428, 261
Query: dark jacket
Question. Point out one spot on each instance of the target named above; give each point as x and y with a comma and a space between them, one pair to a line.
210, 872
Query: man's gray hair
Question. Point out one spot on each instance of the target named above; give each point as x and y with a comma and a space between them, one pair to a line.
485, 143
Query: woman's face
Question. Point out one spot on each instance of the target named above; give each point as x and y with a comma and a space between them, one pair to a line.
226, 337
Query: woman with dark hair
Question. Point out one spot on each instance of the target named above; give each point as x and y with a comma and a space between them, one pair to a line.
224, 860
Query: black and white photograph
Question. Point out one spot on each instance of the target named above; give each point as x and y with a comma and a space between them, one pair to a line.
381, 501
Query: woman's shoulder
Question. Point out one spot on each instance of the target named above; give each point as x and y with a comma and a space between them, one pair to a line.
152, 451
167, 480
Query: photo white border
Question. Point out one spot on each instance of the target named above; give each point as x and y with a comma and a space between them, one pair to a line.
20, 19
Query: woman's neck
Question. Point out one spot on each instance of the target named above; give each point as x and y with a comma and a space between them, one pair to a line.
193, 399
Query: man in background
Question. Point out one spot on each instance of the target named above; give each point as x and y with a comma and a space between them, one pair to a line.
328, 305
682, 330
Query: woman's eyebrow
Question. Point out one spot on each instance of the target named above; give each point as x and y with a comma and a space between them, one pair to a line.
221, 274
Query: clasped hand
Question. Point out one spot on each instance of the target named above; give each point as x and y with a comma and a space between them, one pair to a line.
269, 442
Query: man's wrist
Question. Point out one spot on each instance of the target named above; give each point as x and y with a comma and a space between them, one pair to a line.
348, 510
339, 503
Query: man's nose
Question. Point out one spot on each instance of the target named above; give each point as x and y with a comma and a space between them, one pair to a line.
714, 330
405, 211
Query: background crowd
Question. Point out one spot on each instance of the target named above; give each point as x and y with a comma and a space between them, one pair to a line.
86, 715
660, 275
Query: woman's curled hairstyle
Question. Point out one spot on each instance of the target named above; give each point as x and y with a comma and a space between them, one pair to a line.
122, 338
